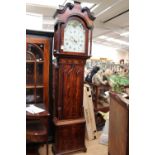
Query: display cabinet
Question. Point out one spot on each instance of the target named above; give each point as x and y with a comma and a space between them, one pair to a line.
37, 71
37, 88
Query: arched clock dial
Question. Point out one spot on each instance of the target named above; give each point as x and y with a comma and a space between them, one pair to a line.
74, 37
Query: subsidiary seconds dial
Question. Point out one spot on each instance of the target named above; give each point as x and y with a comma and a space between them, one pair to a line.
74, 37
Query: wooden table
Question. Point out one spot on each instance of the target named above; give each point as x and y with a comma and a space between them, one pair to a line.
37, 128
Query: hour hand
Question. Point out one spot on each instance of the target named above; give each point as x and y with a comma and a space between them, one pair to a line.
74, 40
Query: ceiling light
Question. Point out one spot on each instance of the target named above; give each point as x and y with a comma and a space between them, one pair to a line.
108, 8
94, 7
102, 37
103, 11
118, 41
68, 1
86, 4
124, 34
34, 14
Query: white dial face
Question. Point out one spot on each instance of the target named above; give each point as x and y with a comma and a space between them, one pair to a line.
74, 37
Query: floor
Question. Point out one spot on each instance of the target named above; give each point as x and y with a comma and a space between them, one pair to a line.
93, 148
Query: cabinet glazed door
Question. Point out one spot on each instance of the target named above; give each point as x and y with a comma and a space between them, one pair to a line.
37, 70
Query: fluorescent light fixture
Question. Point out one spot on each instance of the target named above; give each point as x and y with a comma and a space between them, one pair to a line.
68, 1
112, 40
108, 8
102, 37
118, 41
124, 34
34, 14
94, 7
86, 4
99, 46
103, 11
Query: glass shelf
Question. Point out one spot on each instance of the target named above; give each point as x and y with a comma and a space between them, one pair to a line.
39, 61
33, 86
30, 97
30, 61
33, 61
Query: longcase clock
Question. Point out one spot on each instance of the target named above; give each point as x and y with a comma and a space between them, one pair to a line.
72, 47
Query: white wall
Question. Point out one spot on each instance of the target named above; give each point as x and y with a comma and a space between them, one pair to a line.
34, 21
123, 55
101, 51
39, 22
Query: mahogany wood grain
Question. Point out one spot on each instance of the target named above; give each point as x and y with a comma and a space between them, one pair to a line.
41, 40
37, 125
69, 138
118, 126
36, 132
68, 81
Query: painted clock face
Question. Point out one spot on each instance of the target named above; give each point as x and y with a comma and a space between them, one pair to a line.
74, 37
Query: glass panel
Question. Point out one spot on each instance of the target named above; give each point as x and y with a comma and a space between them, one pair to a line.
29, 56
30, 97
39, 95
30, 73
38, 52
39, 71
41, 46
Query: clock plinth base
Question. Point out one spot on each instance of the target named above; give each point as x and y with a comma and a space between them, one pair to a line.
69, 136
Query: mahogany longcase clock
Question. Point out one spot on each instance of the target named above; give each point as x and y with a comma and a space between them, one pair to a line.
72, 46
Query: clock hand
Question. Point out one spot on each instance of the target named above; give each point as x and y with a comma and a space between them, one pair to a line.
75, 41
72, 39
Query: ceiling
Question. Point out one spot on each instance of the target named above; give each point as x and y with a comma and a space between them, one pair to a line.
111, 27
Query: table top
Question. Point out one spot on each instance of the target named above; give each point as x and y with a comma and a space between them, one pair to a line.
37, 115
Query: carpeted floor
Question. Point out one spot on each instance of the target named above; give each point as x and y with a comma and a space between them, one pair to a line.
93, 148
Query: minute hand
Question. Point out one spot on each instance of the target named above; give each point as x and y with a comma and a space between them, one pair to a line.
75, 41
